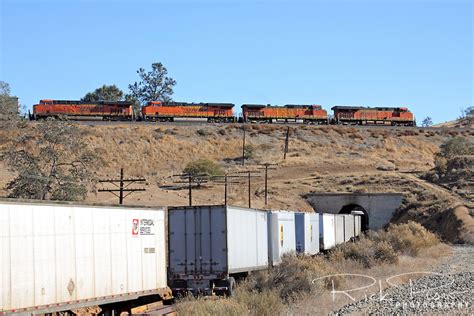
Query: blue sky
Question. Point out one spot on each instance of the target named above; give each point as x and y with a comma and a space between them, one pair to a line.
374, 53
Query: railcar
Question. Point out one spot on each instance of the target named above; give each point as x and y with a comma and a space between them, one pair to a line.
358, 115
169, 111
63, 257
210, 247
76, 109
310, 114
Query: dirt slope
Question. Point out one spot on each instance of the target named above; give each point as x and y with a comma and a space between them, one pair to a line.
326, 158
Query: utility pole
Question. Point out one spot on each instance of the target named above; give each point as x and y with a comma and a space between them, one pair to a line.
121, 187
243, 146
286, 142
191, 179
266, 168
249, 176
227, 180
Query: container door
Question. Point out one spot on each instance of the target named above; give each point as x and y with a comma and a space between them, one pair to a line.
210, 240
300, 232
197, 241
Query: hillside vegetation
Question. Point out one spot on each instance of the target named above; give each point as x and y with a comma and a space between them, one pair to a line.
320, 159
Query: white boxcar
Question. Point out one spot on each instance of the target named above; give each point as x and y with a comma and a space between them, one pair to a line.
210, 245
327, 231
339, 228
307, 233
348, 227
61, 256
281, 235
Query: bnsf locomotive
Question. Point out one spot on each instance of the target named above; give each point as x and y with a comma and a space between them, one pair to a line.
116, 111
358, 115
313, 114
168, 111
223, 113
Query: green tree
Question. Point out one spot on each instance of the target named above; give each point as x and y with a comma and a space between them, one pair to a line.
202, 169
104, 93
154, 85
9, 106
52, 162
427, 122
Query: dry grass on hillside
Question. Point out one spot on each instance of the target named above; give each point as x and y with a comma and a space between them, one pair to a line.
320, 159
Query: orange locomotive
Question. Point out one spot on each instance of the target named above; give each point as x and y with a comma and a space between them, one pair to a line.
312, 114
107, 110
358, 115
168, 111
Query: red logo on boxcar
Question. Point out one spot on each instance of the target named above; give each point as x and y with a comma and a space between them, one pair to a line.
135, 226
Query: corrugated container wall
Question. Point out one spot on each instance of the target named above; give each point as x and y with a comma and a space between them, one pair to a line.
327, 233
348, 227
307, 233
53, 254
339, 228
211, 242
358, 223
281, 235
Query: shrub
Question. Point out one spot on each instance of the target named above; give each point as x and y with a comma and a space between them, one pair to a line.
202, 132
456, 146
410, 238
264, 303
249, 151
289, 279
203, 168
384, 253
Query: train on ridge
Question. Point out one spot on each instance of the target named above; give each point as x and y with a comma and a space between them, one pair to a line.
157, 111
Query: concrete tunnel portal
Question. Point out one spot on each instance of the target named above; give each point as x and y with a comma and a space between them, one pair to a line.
378, 208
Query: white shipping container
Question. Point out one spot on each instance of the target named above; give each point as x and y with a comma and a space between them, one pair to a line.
61, 256
348, 227
208, 243
339, 228
307, 233
358, 225
281, 235
327, 231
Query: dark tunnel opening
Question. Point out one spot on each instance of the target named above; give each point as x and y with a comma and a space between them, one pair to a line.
348, 209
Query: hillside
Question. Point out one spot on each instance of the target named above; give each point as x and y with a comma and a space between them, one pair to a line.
320, 159
465, 122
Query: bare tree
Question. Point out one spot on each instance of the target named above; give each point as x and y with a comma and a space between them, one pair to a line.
51, 162
154, 85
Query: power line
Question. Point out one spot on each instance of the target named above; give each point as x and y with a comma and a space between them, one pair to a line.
122, 185
191, 178
226, 182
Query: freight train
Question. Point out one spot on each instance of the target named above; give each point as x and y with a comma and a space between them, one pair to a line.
62, 257
223, 113
105, 110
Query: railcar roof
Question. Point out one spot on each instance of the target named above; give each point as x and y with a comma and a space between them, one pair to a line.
222, 105
122, 103
344, 107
